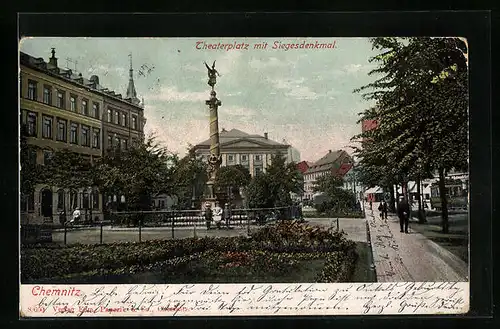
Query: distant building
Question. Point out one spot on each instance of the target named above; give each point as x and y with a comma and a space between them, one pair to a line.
60, 109
163, 201
303, 166
253, 152
333, 163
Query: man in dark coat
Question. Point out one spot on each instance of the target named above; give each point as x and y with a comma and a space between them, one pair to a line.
208, 215
383, 209
404, 214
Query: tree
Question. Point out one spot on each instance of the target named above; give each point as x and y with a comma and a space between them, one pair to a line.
231, 177
139, 173
189, 178
30, 171
273, 187
259, 193
421, 108
338, 199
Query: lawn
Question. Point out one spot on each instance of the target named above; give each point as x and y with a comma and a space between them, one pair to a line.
457, 241
285, 252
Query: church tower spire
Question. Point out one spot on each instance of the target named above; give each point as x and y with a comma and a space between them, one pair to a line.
131, 93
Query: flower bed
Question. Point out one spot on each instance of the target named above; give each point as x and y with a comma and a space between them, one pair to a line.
271, 252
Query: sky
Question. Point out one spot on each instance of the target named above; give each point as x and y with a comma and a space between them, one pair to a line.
304, 96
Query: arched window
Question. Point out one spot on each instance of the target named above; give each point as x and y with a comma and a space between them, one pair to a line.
86, 201
60, 199
95, 199
28, 202
73, 199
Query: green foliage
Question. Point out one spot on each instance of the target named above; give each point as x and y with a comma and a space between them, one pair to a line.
31, 172
231, 176
421, 97
273, 188
189, 176
138, 173
272, 250
338, 200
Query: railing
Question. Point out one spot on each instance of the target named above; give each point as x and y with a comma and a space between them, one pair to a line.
171, 224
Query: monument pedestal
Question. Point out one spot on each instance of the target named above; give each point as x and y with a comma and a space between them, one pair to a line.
209, 196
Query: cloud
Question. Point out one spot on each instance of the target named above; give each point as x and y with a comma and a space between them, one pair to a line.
242, 112
286, 83
302, 93
272, 62
105, 69
353, 68
294, 88
173, 94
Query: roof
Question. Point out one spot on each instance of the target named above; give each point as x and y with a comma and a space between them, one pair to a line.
328, 161
234, 135
70, 76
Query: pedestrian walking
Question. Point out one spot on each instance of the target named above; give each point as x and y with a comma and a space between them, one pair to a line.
371, 204
227, 214
404, 214
208, 215
382, 207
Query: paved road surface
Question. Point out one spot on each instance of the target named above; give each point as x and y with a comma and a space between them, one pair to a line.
410, 257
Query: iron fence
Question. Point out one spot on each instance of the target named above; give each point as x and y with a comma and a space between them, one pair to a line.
146, 225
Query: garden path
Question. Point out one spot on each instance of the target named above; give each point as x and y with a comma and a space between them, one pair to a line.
410, 257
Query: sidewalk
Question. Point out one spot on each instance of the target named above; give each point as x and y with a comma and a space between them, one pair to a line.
410, 257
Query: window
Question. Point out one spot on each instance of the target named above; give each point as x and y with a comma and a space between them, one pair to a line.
230, 158
244, 158
60, 99
31, 119
95, 200
258, 158
85, 135
21, 86
72, 102
258, 171
134, 122
110, 141
96, 138
117, 141
110, 115
47, 93
74, 133
47, 127
61, 130
124, 119
73, 199
124, 144
32, 156
32, 90
85, 108
47, 156
28, 202
60, 199
95, 110
117, 117
86, 200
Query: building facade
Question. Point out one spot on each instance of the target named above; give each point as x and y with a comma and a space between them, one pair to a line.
60, 109
253, 152
333, 163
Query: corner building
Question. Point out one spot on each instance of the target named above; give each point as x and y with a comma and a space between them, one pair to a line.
60, 109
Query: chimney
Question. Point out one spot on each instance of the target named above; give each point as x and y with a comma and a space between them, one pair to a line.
265, 135
53, 59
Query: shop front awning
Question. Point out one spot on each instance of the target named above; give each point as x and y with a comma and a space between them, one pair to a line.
374, 190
